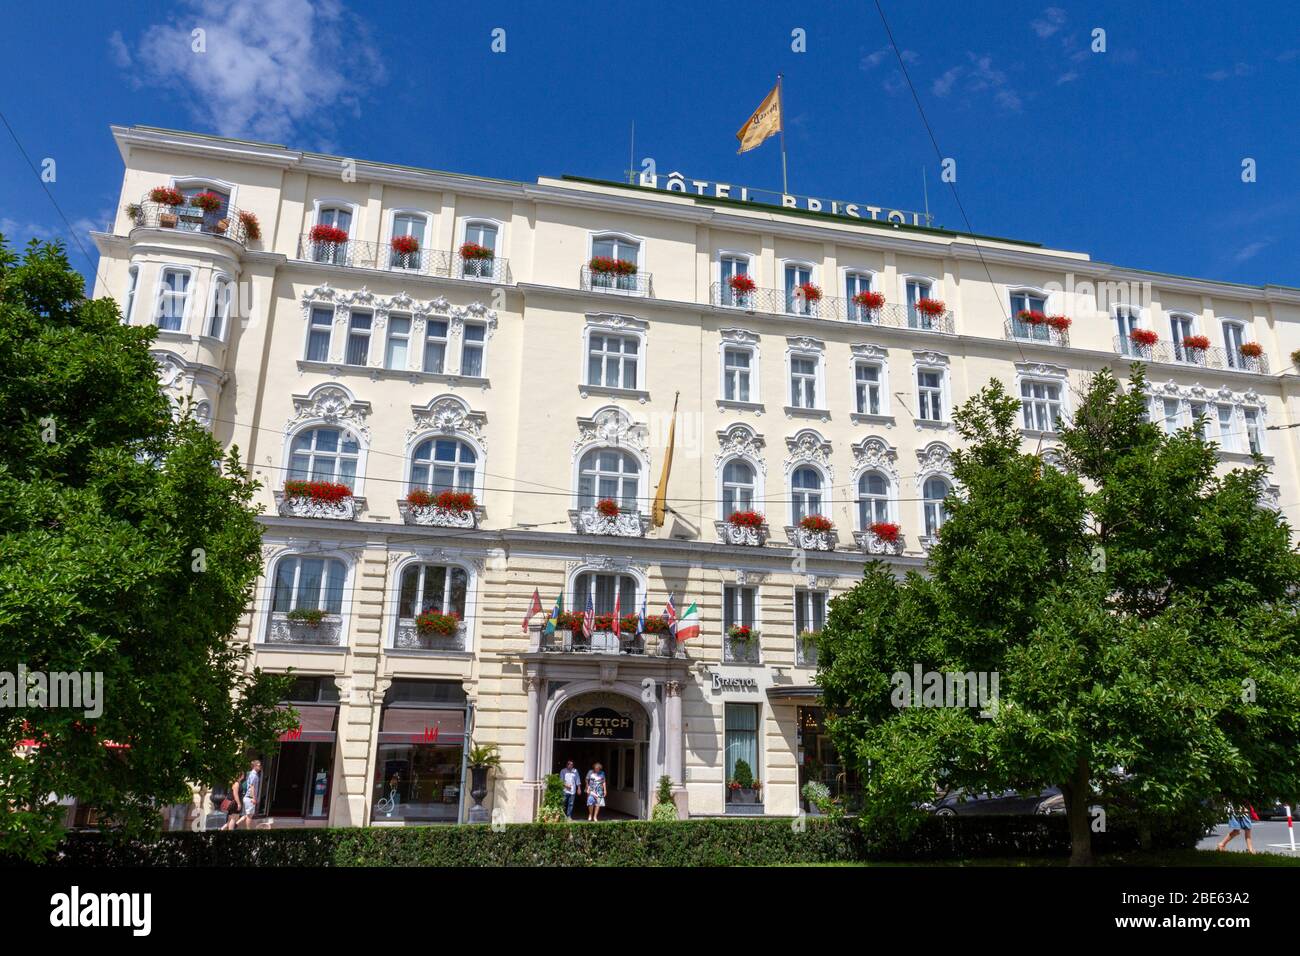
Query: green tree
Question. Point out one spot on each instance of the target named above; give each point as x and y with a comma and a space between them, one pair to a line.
1138, 609
128, 549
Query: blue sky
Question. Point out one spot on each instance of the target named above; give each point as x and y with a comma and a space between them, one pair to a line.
1133, 155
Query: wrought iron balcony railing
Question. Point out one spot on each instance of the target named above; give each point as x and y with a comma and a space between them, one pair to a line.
409, 637
781, 302
638, 283
805, 651
1036, 332
327, 633
735, 651
607, 642
381, 255
1176, 353
224, 222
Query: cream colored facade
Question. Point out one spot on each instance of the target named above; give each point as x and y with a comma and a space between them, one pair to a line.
531, 411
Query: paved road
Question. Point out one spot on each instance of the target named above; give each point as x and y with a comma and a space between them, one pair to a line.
1269, 836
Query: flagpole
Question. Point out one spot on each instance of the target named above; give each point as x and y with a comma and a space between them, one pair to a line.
780, 102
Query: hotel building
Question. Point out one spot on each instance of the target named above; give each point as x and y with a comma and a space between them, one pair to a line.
500, 352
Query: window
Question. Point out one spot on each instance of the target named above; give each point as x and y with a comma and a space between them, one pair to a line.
324, 454
737, 487
602, 588
407, 224
435, 345
615, 247
220, 309
803, 381
318, 336
809, 610
867, 387
481, 234
173, 299
738, 605
340, 217
855, 283
1028, 302
1041, 402
1227, 431
399, 342
132, 280
1234, 334
1180, 327
193, 219
933, 494
1198, 415
471, 349
418, 781
729, 267
1171, 410
741, 740
736, 364
310, 583
1126, 320
443, 464
929, 395
796, 303
805, 493
612, 360
359, 339
918, 289
1254, 437
432, 587
609, 473
873, 499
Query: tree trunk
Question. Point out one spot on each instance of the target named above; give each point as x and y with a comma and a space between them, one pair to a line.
1077, 794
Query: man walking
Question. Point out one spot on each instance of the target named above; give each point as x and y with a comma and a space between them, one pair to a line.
253, 795
572, 781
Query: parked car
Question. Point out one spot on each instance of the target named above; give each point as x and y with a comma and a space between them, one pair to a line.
1277, 810
1003, 803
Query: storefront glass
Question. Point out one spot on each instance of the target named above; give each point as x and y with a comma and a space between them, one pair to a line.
419, 762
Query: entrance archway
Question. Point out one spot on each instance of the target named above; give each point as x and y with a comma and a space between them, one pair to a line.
615, 731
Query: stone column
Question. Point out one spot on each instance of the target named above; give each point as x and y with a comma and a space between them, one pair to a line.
530, 786
674, 745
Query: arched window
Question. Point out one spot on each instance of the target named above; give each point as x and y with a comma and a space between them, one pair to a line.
311, 583
873, 499
482, 234
609, 473
340, 217
220, 310
324, 454
805, 493
432, 587
601, 588
443, 464
407, 224
194, 219
737, 487
935, 490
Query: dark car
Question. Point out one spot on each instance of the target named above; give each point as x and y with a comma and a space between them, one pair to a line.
1003, 803
1277, 810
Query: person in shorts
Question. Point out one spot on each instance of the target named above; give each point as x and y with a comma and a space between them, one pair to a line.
252, 795
595, 792
233, 803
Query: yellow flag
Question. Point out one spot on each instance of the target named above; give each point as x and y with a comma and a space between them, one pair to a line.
765, 122
661, 493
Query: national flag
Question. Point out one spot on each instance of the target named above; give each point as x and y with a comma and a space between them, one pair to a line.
765, 122
661, 493
689, 625
640, 621
670, 614
556, 611
589, 619
618, 624
534, 609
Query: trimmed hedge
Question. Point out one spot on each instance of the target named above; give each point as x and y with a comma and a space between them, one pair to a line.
699, 842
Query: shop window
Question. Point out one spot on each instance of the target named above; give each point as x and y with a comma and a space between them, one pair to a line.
420, 758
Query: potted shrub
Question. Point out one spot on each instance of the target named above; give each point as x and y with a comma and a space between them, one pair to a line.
808, 644
472, 250
746, 519
552, 808
931, 307
435, 622
1252, 349
252, 228
665, 810
1027, 316
816, 523
743, 788
330, 492
608, 508
886, 531
818, 797
1197, 343
405, 245
310, 616
135, 211
1058, 322
482, 758
1144, 337
171, 198
329, 234
869, 300
810, 292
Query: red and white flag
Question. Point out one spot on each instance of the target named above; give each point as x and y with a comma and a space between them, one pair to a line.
533, 609
618, 624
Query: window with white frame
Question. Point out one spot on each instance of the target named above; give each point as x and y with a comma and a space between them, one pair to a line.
192, 218
797, 275
340, 217
309, 583
1040, 402
324, 454
616, 248
809, 610
435, 345
1172, 408
602, 589
873, 499
737, 363
443, 464
612, 360
432, 587
1028, 301
1234, 336
484, 235
318, 334
358, 351
737, 487
805, 493
1199, 413
173, 299
929, 394
132, 281
728, 268
918, 289
1254, 435
803, 380
935, 512
220, 311
1180, 327
1126, 321
1227, 435
608, 473
867, 379
473, 342
398, 348
855, 283
739, 607
408, 224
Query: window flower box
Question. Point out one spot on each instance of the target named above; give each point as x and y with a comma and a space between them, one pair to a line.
747, 519
433, 622
1144, 337
806, 649
882, 537
1196, 342
166, 196
1028, 316
473, 251
742, 787
303, 626
816, 523
252, 228
310, 616
869, 300
405, 245
604, 265
809, 292
931, 307
446, 509
328, 234
744, 528
812, 535
317, 499
741, 632
885, 531
1059, 322
1248, 349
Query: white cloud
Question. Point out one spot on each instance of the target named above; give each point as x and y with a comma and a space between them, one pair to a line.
943, 85
1239, 69
979, 76
1249, 251
269, 67
1067, 77
1050, 22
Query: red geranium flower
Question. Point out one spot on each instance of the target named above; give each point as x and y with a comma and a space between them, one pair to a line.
869, 300
604, 264
608, 507
1196, 342
435, 622
885, 531
328, 234
405, 245
1144, 337
1027, 316
931, 306
457, 501
252, 228
1251, 349
330, 492
1058, 322
747, 519
816, 523
472, 250
208, 202
741, 283
811, 293
166, 196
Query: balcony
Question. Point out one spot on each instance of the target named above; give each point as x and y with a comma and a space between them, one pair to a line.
872, 543
811, 540
779, 302
431, 516
328, 633
411, 638
625, 524
743, 535
1175, 353
805, 650
435, 263
224, 223
735, 651
637, 284
1041, 332
302, 506
607, 642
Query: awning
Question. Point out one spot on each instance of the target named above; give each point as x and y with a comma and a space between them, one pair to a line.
794, 692
422, 725
316, 725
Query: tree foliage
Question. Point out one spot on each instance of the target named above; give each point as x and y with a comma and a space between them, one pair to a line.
128, 548
1137, 606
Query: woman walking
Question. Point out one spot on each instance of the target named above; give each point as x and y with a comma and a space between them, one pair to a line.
1239, 821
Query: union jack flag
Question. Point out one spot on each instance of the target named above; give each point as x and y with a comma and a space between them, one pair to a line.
670, 613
